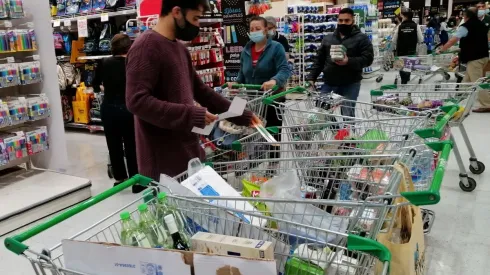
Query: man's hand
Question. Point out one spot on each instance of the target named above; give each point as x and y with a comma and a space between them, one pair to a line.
230, 84
255, 121
210, 118
342, 62
439, 50
269, 85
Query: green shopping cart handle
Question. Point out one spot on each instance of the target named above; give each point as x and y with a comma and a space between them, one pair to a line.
438, 130
432, 195
15, 243
485, 86
248, 86
269, 100
371, 247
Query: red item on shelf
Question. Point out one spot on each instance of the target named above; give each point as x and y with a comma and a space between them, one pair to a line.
150, 7
342, 134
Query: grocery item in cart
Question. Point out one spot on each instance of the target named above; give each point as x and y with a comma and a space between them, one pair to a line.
163, 209
131, 234
153, 228
178, 242
337, 52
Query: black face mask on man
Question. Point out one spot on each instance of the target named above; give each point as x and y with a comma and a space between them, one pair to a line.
187, 32
345, 29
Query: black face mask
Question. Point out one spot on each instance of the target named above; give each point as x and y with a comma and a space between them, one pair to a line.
345, 29
187, 32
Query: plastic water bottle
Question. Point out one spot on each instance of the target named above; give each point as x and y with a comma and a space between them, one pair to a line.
158, 234
422, 166
194, 166
131, 234
163, 209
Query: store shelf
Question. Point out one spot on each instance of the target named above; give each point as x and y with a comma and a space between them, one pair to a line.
94, 57
92, 128
93, 15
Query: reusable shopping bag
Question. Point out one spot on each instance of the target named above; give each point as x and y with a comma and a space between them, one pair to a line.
407, 256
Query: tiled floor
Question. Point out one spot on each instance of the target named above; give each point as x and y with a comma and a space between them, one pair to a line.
457, 245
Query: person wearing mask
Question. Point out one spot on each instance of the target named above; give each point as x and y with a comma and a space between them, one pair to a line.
117, 120
443, 36
434, 23
452, 22
275, 35
344, 76
263, 62
162, 89
406, 39
473, 44
483, 16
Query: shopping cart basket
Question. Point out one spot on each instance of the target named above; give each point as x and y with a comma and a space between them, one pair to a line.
362, 251
423, 65
429, 98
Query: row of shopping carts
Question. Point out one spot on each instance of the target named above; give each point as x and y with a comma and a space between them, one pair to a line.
343, 157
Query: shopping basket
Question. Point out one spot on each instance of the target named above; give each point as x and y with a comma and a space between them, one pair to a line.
423, 65
362, 251
428, 98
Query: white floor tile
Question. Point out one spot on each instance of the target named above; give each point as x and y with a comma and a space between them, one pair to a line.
457, 245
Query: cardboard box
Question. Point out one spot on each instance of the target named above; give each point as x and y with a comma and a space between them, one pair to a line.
113, 259
232, 246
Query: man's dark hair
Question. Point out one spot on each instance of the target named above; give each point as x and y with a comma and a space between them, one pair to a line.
259, 18
168, 5
481, 3
470, 13
408, 14
120, 44
347, 11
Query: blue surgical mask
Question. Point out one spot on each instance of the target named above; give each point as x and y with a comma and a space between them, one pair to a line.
481, 13
257, 36
272, 33
487, 11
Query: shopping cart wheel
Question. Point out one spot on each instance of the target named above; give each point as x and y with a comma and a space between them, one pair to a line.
109, 171
447, 76
396, 81
386, 67
479, 170
379, 79
471, 185
420, 80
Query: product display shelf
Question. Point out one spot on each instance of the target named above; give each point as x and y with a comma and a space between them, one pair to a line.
93, 128
94, 15
32, 184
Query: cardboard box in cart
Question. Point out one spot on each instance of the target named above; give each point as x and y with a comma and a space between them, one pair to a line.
112, 259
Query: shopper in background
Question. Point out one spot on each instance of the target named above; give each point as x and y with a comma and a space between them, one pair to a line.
452, 22
406, 39
483, 14
443, 36
162, 87
117, 120
263, 62
276, 36
343, 77
473, 43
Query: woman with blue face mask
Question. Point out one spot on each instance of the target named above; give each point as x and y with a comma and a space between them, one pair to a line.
263, 62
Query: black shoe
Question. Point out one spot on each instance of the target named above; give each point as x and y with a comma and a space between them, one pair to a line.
138, 189
118, 182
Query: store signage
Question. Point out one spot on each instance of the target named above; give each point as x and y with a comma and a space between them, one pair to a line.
104, 17
389, 8
235, 34
82, 27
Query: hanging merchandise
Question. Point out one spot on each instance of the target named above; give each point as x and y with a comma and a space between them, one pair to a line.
3, 9
30, 72
5, 41
58, 41
98, 5
4, 115
61, 7
259, 7
16, 9
9, 75
105, 38
130, 3
17, 110
36, 139
61, 78
72, 6
114, 4
67, 43
15, 144
86, 6
81, 105
91, 45
25, 40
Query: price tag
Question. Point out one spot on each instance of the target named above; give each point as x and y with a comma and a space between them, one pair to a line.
56, 23
8, 24
35, 57
67, 23
104, 17
10, 59
82, 27
30, 25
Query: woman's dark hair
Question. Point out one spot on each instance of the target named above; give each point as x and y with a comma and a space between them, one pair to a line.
259, 18
347, 11
120, 44
168, 5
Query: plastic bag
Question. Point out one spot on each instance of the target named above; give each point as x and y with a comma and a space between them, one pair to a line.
284, 186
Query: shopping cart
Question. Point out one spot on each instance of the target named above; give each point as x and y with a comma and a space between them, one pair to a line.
350, 252
429, 98
423, 65
386, 50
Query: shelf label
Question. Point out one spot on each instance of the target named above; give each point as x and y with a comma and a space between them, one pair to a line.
67, 23
8, 24
82, 27
30, 25
104, 17
35, 57
56, 23
10, 59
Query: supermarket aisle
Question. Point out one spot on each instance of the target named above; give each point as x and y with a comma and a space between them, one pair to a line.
457, 244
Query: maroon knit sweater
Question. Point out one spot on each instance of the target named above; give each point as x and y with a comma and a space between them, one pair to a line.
160, 91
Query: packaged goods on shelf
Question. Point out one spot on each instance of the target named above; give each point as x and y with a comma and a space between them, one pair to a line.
81, 106
30, 72
25, 40
232, 246
15, 145
17, 110
11, 9
36, 139
4, 114
9, 75
38, 107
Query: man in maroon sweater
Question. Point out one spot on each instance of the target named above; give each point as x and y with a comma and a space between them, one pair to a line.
162, 86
